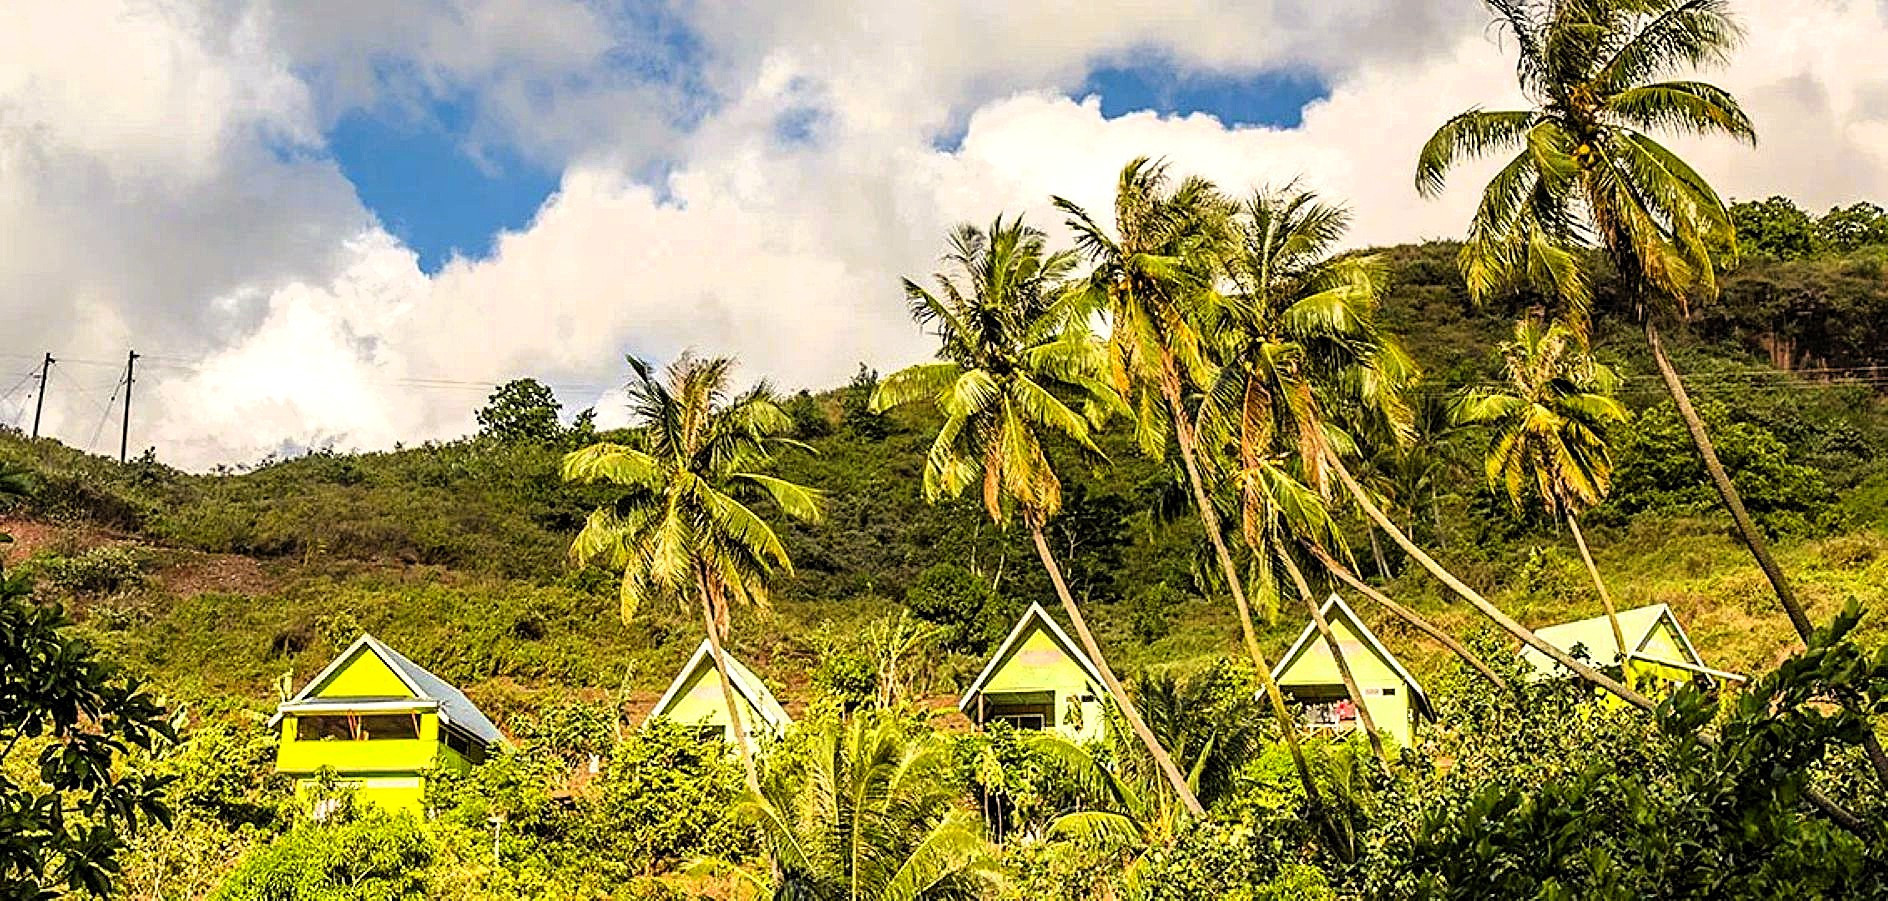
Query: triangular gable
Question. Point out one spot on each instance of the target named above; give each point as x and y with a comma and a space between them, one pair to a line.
746, 684
1335, 610
1595, 635
1035, 616
421, 685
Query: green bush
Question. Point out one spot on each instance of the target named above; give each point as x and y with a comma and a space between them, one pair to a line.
105, 570
377, 857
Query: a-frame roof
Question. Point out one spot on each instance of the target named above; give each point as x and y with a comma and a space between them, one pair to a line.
745, 682
1335, 609
1639, 625
454, 707
1035, 615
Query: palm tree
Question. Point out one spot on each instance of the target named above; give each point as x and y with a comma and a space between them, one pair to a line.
870, 812
1588, 173
1298, 333
1015, 352
682, 527
1547, 432
1156, 275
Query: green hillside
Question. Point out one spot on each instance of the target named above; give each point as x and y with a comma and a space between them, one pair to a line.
216, 586
455, 551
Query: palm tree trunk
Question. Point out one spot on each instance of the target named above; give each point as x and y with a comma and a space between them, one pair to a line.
741, 741
1376, 552
1162, 759
1606, 598
1407, 615
1522, 633
1746, 529
1209, 520
1323, 625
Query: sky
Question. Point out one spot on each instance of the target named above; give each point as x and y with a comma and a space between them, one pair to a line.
340, 224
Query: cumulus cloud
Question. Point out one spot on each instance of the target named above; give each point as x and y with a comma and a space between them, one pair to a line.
163, 179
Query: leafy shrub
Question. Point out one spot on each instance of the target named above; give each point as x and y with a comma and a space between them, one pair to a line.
104, 570
378, 856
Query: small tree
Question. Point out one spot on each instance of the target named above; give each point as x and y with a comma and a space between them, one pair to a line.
67, 827
521, 410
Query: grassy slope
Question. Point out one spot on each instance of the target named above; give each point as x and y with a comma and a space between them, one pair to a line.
453, 553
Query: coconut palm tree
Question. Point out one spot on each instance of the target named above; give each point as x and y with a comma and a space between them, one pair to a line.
1156, 273
1588, 173
870, 812
682, 529
1296, 333
1547, 432
1015, 354
1600, 77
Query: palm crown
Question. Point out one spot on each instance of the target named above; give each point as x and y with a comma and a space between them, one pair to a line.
1548, 423
1585, 166
1295, 338
1156, 274
1016, 359
683, 524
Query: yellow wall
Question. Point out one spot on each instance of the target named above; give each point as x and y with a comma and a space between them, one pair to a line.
393, 793
366, 676
700, 703
388, 773
1037, 664
1315, 667
1665, 644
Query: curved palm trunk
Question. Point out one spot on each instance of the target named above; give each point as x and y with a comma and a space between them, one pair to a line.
1407, 615
1507, 623
1209, 519
1364, 719
1720, 479
1746, 528
1606, 597
709, 597
1162, 759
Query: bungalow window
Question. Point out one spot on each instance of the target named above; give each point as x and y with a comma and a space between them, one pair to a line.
1031, 721
358, 727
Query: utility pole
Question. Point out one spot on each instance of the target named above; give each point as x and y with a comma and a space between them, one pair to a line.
39, 403
124, 434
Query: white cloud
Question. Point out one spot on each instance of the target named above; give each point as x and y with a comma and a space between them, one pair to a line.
161, 180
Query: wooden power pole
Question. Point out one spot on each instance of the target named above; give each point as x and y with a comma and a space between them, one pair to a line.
39, 402
124, 434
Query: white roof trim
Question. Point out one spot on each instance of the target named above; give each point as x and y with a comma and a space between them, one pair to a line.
738, 676
1666, 615
340, 660
1691, 667
355, 704
1035, 612
1363, 631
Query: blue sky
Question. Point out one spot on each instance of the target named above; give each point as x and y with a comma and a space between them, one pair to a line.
419, 173
419, 169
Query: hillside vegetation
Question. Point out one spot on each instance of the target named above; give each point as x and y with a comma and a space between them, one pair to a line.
216, 584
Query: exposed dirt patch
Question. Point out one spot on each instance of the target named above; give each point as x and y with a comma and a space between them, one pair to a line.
187, 574
30, 537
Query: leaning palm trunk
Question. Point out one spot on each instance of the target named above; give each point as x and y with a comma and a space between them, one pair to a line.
1606, 597
1407, 615
1507, 623
1209, 519
741, 740
1364, 719
1122, 702
1746, 529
